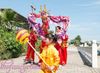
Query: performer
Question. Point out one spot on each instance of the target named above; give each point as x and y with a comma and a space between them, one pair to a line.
30, 52
45, 21
59, 44
50, 56
64, 48
59, 48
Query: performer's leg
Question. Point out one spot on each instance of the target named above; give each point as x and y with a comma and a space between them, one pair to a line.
28, 53
46, 71
40, 53
65, 55
61, 56
32, 54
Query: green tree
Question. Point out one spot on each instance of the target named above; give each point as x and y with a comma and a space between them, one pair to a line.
8, 19
77, 40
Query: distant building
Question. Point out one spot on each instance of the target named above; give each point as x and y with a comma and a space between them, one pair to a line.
86, 43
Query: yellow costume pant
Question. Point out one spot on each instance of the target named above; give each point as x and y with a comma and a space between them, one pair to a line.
46, 71
51, 57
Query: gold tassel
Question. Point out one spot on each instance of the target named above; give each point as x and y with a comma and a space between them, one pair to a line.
40, 8
45, 9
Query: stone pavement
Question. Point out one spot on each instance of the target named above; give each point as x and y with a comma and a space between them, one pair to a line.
75, 65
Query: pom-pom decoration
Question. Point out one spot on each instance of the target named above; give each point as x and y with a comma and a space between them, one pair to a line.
22, 36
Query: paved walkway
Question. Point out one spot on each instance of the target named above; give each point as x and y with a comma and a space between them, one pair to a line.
75, 65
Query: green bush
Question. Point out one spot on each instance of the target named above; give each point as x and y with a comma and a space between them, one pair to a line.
9, 48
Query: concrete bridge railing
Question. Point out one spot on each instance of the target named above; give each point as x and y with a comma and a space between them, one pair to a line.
90, 53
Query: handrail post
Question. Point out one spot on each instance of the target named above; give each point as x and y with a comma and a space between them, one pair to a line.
94, 54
